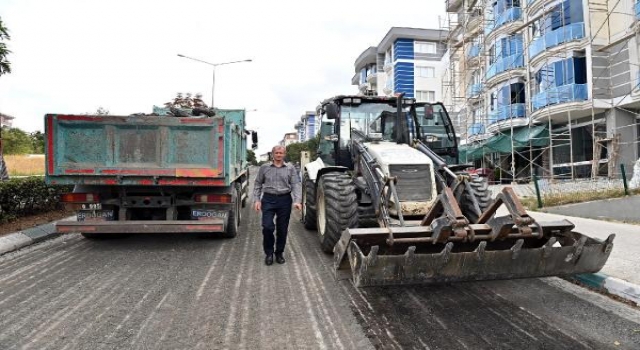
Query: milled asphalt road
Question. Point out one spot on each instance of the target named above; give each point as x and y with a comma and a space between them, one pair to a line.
171, 291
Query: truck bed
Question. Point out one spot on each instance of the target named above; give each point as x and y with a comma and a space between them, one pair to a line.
143, 150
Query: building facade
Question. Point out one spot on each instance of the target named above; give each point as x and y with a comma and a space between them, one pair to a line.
307, 127
545, 87
407, 60
289, 138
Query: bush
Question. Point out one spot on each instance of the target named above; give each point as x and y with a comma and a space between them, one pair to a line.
22, 197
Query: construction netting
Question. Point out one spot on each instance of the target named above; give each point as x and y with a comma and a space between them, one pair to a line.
535, 136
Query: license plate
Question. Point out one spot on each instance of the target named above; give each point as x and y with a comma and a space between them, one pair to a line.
206, 214
95, 215
91, 206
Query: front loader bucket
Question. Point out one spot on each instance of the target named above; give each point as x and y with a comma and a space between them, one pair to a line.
451, 250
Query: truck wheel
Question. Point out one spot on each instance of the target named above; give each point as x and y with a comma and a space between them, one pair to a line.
337, 208
309, 204
234, 217
479, 190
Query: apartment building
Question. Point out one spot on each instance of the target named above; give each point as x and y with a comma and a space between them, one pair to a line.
307, 127
289, 138
6, 120
407, 60
546, 87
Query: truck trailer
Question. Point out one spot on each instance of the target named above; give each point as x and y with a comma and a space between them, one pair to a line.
150, 173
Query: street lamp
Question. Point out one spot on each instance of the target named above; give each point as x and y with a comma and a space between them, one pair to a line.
214, 65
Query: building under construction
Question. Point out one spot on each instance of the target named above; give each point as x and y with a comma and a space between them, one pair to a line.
545, 87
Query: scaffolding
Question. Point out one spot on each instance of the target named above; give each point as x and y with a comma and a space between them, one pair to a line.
606, 50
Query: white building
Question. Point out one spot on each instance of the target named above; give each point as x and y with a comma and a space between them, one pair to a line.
407, 60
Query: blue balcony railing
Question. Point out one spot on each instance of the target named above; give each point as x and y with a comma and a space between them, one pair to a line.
559, 36
503, 64
637, 86
560, 94
516, 110
509, 15
531, 2
474, 90
476, 129
474, 51
637, 10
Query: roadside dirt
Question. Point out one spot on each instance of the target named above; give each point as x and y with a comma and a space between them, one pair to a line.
26, 222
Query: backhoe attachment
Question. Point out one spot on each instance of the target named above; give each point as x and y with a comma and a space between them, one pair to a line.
446, 247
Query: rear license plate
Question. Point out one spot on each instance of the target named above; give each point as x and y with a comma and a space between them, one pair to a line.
206, 214
95, 215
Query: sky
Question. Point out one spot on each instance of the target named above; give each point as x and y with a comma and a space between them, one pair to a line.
72, 57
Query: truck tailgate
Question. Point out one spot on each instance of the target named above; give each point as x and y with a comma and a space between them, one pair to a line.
134, 150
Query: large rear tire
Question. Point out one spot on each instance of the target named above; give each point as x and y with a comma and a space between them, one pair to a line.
337, 208
233, 221
309, 204
480, 191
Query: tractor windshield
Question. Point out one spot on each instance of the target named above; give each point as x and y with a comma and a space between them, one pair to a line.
368, 118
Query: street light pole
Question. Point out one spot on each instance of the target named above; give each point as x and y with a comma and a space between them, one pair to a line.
214, 65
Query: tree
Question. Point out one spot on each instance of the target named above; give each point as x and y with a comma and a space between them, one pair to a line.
251, 157
5, 65
37, 142
294, 149
16, 141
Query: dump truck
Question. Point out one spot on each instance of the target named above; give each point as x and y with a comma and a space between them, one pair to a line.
388, 198
175, 170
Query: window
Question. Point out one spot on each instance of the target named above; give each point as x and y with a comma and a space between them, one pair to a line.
426, 96
426, 72
422, 47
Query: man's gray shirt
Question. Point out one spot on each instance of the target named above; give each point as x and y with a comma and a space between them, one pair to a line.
277, 180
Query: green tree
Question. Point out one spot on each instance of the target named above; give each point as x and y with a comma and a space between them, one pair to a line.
294, 149
16, 141
37, 142
251, 157
5, 65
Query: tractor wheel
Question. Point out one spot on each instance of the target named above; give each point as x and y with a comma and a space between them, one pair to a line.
480, 191
309, 204
337, 208
233, 221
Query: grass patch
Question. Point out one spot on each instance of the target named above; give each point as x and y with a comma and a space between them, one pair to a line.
552, 200
24, 165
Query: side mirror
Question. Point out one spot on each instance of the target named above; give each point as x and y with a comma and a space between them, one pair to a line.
332, 138
331, 110
254, 139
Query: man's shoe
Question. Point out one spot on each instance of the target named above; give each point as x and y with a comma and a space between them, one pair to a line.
280, 258
268, 260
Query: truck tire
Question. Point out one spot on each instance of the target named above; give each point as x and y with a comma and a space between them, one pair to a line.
479, 190
309, 204
233, 221
337, 208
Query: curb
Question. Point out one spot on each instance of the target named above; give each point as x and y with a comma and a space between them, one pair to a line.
17, 240
616, 286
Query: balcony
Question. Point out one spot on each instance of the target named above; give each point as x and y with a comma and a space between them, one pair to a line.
560, 94
372, 77
453, 5
511, 15
475, 129
559, 36
474, 90
474, 51
637, 7
516, 110
388, 66
503, 64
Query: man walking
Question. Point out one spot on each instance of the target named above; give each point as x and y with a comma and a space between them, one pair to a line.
276, 183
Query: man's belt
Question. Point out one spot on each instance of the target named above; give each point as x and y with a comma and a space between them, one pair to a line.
277, 194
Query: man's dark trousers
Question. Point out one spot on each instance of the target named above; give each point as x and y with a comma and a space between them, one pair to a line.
280, 207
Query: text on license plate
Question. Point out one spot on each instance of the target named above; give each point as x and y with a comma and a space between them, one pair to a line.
95, 215
202, 214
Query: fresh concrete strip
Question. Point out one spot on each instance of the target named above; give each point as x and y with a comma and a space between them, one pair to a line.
29, 236
612, 285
